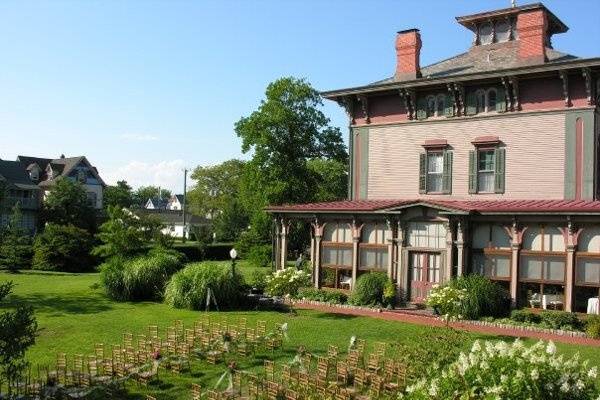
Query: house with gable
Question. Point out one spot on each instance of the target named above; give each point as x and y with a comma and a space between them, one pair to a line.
487, 162
29, 179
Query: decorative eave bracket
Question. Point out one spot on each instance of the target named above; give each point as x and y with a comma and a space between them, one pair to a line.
364, 103
348, 104
514, 82
506, 84
407, 96
587, 76
461, 104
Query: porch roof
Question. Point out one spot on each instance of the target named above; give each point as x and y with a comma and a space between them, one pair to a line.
451, 206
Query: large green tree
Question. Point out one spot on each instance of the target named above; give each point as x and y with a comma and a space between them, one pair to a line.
67, 204
119, 195
216, 194
284, 134
15, 243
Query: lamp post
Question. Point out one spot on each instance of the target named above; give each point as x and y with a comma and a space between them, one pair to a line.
233, 255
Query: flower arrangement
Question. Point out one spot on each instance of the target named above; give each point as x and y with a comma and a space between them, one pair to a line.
447, 301
286, 282
498, 370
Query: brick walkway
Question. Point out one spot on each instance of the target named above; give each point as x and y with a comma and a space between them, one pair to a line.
397, 315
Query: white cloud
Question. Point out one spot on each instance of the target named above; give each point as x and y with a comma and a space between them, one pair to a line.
166, 174
139, 137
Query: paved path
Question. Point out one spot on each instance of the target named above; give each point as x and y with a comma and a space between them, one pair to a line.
396, 315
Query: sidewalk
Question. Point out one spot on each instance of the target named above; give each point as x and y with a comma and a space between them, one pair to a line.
412, 318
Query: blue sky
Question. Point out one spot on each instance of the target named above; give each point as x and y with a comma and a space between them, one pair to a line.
144, 88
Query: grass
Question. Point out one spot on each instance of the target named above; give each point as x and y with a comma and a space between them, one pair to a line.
73, 314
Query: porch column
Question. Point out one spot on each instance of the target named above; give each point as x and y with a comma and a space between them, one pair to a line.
390, 249
516, 234
285, 229
277, 255
460, 247
569, 282
449, 248
312, 255
318, 235
356, 232
402, 270
571, 236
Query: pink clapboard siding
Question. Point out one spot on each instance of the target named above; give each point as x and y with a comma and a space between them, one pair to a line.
535, 155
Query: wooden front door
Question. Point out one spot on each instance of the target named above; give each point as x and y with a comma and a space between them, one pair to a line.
425, 272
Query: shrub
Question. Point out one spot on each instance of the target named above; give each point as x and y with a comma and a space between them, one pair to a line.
287, 282
560, 320
497, 370
213, 252
141, 278
447, 301
188, 288
326, 296
16, 249
258, 280
484, 297
592, 327
63, 248
525, 316
260, 255
369, 290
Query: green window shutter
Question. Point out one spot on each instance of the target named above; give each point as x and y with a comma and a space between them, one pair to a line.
423, 173
449, 110
500, 100
422, 108
472, 171
471, 104
447, 174
500, 169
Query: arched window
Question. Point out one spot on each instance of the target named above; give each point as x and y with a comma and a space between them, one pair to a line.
440, 105
431, 106
486, 34
491, 100
503, 28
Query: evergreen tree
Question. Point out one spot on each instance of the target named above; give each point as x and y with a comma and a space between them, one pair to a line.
15, 244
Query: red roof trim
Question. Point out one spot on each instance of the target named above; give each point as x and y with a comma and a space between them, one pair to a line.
475, 206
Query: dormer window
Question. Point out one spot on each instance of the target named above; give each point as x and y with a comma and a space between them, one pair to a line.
34, 175
503, 28
435, 106
486, 33
81, 176
431, 106
486, 101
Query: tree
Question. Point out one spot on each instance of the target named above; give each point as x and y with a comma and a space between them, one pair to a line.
230, 222
143, 193
17, 334
119, 195
67, 204
15, 244
283, 135
127, 234
63, 248
216, 186
332, 178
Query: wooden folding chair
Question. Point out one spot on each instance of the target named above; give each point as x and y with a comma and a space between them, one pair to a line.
342, 373
144, 377
272, 390
373, 364
291, 394
360, 379
269, 370
196, 391
332, 351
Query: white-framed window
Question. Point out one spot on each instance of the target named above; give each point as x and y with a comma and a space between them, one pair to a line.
427, 235
486, 33
486, 168
440, 107
92, 198
435, 170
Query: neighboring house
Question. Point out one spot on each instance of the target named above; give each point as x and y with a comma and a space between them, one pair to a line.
156, 203
29, 179
175, 202
18, 188
173, 222
45, 171
486, 162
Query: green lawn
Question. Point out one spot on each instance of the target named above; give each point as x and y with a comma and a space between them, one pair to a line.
73, 314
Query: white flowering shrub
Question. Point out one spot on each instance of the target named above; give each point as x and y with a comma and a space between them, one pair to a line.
447, 301
287, 282
498, 370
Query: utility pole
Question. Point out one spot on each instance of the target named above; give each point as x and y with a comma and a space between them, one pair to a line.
183, 206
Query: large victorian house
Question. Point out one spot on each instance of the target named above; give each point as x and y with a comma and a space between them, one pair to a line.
487, 162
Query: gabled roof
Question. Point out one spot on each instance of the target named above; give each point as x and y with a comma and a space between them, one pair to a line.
15, 174
451, 206
179, 198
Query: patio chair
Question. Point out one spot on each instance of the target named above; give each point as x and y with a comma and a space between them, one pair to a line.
535, 301
345, 282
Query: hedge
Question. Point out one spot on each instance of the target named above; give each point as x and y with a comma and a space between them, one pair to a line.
214, 251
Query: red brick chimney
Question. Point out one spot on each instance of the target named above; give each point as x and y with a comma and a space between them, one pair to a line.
532, 29
408, 51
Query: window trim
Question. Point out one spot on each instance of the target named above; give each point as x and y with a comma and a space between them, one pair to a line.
492, 172
585, 255
495, 252
439, 153
543, 256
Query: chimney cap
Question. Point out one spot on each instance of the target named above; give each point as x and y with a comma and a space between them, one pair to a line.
408, 31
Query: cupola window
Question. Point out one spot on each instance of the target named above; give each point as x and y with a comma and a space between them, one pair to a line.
503, 28
486, 33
